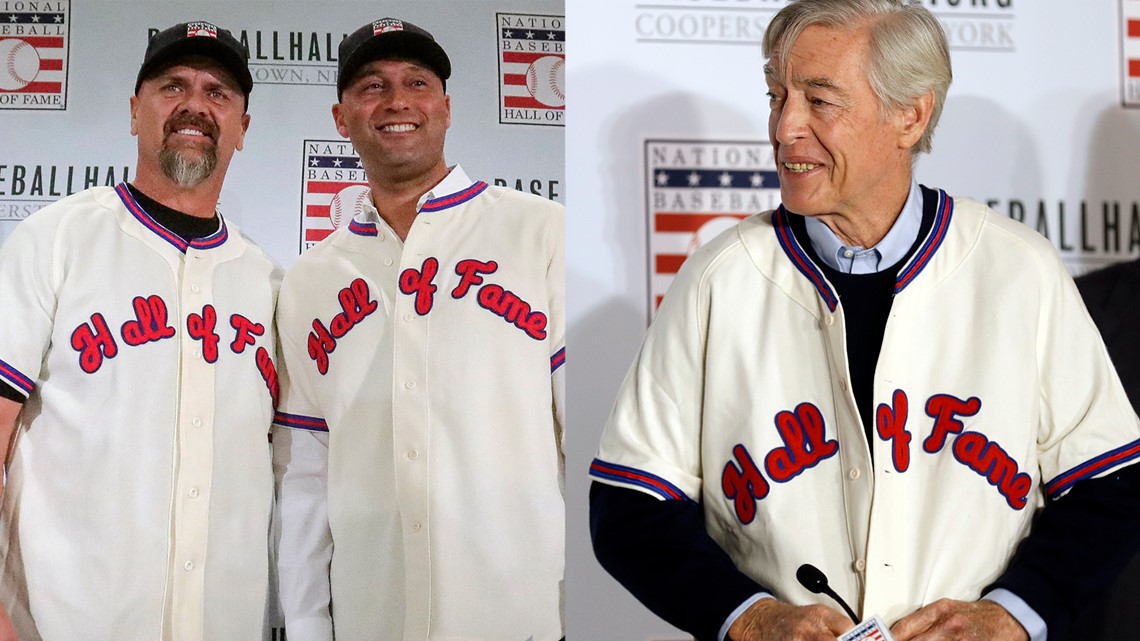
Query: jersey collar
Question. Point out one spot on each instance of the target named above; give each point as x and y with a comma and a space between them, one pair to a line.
795, 253
454, 190
215, 239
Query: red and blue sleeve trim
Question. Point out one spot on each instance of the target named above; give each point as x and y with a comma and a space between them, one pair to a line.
796, 254
299, 422
363, 229
458, 198
631, 476
16, 378
922, 257
215, 239
1092, 467
557, 360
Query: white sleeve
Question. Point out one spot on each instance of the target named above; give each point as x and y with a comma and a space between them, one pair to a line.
556, 286
304, 543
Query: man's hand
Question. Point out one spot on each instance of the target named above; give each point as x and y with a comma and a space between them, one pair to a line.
947, 620
770, 620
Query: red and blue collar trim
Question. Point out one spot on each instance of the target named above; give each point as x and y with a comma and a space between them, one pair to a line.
215, 239
363, 229
800, 259
452, 200
942, 215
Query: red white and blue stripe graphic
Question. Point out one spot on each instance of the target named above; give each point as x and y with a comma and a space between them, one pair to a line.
452, 200
1092, 467
363, 229
796, 254
215, 239
922, 257
632, 476
18, 380
331, 166
299, 422
557, 360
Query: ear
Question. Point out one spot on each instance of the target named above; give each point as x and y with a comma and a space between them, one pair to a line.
338, 119
913, 120
134, 115
244, 129
447, 103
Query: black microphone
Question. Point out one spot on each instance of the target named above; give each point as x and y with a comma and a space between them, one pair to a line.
813, 579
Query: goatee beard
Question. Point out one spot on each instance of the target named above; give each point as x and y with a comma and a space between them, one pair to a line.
188, 169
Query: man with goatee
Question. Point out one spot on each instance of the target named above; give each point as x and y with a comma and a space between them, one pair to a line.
138, 383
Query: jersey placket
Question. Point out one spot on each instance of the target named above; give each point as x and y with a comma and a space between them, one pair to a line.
858, 485
411, 423
194, 451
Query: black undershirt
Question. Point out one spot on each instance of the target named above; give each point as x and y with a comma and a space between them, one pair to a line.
183, 225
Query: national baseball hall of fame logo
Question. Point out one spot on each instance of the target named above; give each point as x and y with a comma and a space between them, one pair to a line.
1130, 52
34, 38
334, 188
695, 189
532, 69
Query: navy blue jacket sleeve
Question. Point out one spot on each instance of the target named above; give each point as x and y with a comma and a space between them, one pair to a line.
1077, 547
661, 552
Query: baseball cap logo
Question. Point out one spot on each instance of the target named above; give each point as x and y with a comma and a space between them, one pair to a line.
201, 29
386, 25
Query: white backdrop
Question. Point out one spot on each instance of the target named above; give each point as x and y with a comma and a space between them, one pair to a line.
1034, 124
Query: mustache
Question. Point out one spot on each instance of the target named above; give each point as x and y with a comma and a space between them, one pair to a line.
180, 121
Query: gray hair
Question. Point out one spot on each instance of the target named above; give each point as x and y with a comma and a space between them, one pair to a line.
909, 54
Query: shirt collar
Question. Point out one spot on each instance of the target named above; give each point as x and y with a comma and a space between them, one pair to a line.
455, 181
867, 260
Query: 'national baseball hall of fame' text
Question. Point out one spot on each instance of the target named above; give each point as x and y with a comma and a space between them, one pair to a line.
34, 38
532, 69
333, 188
695, 189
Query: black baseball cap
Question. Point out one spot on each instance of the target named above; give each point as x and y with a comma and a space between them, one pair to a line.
389, 38
197, 38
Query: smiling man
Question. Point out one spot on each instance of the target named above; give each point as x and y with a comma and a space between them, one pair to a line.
136, 370
418, 448
898, 387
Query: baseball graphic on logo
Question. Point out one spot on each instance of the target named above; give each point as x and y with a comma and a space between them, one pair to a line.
545, 80
709, 231
21, 64
347, 203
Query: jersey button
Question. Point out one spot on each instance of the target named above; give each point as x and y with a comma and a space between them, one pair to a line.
413, 455
417, 526
843, 384
854, 473
409, 385
408, 318
829, 320
196, 422
193, 493
387, 262
860, 565
189, 565
195, 289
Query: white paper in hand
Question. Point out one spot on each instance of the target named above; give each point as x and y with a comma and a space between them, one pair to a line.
872, 629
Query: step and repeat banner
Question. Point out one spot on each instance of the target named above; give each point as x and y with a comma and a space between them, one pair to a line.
68, 68
668, 145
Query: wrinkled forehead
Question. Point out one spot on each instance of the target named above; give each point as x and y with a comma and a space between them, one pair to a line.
184, 65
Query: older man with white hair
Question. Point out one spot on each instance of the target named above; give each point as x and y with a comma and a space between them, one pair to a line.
897, 388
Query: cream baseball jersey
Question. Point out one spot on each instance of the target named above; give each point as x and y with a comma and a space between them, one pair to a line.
993, 391
138, 499
420, 479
